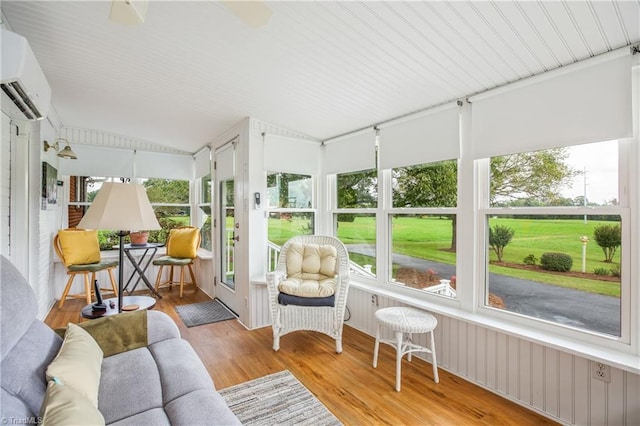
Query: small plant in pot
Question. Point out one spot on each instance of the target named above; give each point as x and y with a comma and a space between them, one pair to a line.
139, 238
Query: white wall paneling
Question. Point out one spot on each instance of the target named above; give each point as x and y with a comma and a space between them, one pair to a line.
5, 184
48, 221
261, 315
555, 383
203, 268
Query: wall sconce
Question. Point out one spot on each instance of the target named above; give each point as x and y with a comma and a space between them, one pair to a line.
65, 152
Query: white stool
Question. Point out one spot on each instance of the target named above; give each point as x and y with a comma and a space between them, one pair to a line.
406, 320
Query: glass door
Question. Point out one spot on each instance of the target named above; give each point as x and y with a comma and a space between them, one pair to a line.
227, 235
227, 225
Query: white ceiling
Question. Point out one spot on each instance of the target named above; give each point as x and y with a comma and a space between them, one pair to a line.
194, 69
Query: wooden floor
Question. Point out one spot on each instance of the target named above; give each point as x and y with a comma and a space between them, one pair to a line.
346, 383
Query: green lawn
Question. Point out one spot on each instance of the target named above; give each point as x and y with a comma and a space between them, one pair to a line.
430, 238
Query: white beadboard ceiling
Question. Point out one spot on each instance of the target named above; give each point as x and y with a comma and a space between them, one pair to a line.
194, 69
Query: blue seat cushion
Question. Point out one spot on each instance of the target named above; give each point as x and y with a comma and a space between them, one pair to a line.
287, 299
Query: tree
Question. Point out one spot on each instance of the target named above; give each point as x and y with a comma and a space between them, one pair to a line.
535, 175
283, 182
358, 189
430, 185
499, 237
167, 191
609, 238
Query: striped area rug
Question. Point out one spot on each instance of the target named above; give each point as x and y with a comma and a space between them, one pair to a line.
276, 399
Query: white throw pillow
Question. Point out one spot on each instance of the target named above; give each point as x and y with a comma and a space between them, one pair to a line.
78, 363
63, 405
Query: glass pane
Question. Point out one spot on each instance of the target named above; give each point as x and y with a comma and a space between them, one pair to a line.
287, 190
357, 190
424, 252
227, 236
358, 233
205, 189
204, 223
281, 226
169, 218
284, 225
167, 191
557, 268
573, 176
426, 185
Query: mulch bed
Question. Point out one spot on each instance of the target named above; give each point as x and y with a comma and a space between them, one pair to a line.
421, 280
537, 268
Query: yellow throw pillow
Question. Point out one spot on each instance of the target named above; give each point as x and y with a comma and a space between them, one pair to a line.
78, 363
80, 247
184, 242
63, 405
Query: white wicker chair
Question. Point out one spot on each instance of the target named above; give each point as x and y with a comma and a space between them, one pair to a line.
323, 319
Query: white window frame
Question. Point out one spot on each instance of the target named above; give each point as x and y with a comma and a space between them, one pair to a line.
389, 211
621, 343
375, 211
197, 194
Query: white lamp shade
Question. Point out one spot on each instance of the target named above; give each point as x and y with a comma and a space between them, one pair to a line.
120, 207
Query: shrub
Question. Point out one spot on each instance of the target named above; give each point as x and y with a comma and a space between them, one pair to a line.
499, 237
107, 239
615, 271
530, 260
601, 271
560, 262
346, 217
609, 238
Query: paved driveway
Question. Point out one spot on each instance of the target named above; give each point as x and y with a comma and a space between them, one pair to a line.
556, 304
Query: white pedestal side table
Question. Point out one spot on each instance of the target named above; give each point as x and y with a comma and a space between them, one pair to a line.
405, 320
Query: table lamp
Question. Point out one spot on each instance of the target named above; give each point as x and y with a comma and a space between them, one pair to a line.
120, 207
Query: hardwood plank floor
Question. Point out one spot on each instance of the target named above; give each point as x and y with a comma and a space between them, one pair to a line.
346, 383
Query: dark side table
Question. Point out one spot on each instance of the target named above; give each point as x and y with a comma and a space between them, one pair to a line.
144, 302
140, 266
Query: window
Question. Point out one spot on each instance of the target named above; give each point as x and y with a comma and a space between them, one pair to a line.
355, 218
290, 210
423, 225
169, 198
554, 237
170, 201
82, 191
203, 215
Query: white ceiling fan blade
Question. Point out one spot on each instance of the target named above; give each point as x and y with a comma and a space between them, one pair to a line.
253, 13
128, 12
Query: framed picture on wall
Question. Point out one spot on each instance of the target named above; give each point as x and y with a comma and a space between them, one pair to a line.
49, 185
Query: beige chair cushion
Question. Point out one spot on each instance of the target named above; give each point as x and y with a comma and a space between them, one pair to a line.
78, 363
63, 405
311, 270
311, 261
308, 288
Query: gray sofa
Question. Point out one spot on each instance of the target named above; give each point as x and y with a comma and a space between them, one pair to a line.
162, 383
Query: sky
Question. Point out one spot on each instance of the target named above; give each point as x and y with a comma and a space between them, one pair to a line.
601, 162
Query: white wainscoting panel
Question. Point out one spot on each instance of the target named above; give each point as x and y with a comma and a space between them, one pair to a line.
260, 315
551, 382
203, 268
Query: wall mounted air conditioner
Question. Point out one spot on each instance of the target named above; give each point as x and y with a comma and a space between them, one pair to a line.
26, 93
